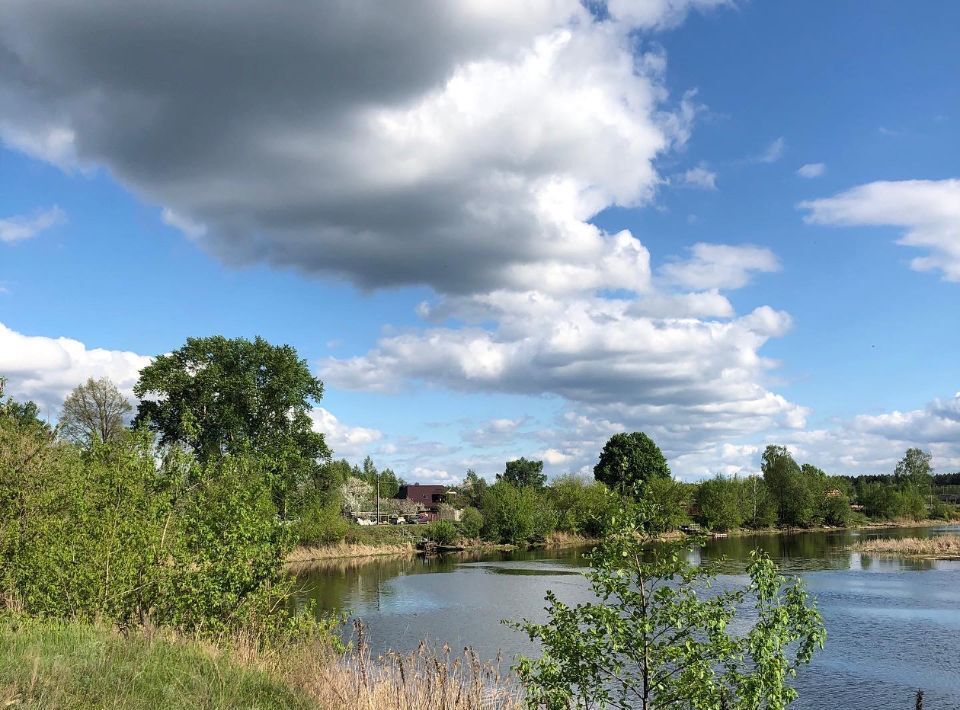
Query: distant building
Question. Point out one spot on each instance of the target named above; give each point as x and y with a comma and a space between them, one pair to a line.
427, 497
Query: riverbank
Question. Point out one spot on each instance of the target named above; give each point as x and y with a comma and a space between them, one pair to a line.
59, 664
394, 540
402, 541
941, 547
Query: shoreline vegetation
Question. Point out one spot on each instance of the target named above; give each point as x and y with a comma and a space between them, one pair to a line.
939, 547
305, 555
74, 664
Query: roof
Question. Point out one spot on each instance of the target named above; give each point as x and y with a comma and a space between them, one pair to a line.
427, 495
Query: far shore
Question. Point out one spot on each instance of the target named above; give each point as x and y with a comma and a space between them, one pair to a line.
305, 555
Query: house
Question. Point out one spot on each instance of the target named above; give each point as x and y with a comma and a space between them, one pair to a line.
427, 498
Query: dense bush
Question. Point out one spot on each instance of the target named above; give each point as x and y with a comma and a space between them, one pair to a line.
321, 522
471, 522
110, 532
582, 506
669, 503
442, 532
516, 515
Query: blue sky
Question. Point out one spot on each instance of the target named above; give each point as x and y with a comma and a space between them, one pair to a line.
430, 206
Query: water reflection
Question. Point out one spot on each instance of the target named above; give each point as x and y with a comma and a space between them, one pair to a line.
892, 623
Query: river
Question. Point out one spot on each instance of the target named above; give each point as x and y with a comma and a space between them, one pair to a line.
893, 625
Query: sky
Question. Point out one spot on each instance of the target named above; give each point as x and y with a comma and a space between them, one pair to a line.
502, 228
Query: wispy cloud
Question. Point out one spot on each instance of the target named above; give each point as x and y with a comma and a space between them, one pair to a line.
773, 152
927, 210
700, 177
22, 227
811, 170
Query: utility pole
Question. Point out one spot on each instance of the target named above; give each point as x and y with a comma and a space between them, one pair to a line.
378, 497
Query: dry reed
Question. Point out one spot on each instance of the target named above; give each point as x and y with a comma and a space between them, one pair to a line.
940, 547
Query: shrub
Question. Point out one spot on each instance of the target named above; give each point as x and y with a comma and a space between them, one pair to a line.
719, 503
582, 507
516, 515
655, 638
669, 501
110, 533
471, 522
321, 523
442, 532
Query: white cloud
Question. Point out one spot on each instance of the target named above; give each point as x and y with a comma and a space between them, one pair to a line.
46, 369
773, 152
929, 211
495, 432
345, 441
421, 474
811, 170
183, 224
460, 145
720, 266
700, 177
685, 378
20, 228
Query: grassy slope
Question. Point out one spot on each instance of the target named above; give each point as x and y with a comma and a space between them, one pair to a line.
62, 665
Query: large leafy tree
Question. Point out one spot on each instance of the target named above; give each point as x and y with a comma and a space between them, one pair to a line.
94, 412
221, 396
523, 473
658, 638
630, 460
914, 467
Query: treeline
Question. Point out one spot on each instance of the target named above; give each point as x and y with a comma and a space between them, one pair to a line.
521, 506
183, 519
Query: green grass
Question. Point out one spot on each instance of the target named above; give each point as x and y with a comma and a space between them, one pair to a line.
69, 665
384, 534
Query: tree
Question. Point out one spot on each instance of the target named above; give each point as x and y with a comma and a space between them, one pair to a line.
788, 487
516, 515
23, 413
630, 460
720, 507
473, 489
655, 639
217, 396
914, 468
94, 412
523, 473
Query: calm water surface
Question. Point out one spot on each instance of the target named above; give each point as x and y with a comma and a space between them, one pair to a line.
893, 625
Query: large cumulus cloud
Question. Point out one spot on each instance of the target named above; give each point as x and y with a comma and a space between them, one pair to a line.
460, 145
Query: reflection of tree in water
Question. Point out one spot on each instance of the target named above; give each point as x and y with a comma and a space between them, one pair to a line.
350, 583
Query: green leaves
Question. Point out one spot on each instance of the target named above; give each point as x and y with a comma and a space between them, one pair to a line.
630, 460
659, 635
218, 395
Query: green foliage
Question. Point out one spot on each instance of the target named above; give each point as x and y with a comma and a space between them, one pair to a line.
630, 460
389, 481
914, 466
516, 515
110, 533
53, 664
720, 504
442, 532
658, 637
472, 490
471, 522
21, 413
668, 501
789, 487
94, 412
321, 522
582, 506
522, 473
218, 395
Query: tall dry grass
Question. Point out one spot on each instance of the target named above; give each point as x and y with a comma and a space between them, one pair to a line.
941, 546
340, 550
425, 679
61, 664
